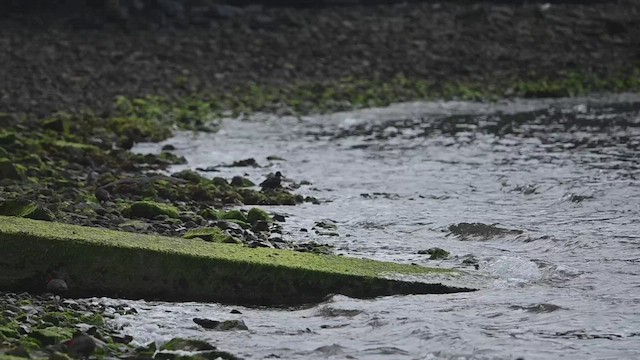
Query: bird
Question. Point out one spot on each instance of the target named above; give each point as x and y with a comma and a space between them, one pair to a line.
273, 181
56, 286
102, 195
81, 345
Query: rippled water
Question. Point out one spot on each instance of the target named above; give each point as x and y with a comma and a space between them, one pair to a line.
563, 172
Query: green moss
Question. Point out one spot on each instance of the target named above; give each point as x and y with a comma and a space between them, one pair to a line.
161, 267
254, 215
7, 138
149, 210
51, 335
8, 332
233, 215
139, 128
187, 345
9, 170
26, 209
210, 234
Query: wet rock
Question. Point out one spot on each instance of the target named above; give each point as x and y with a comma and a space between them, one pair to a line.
187, 345
326, 224
11, 171
275, 158
168, 147
465, 231
26, 209
260, 226
244, 163
149, 210
227, 325
213, 234
239, 181
255, 215
537, 308
278, 218
436, 253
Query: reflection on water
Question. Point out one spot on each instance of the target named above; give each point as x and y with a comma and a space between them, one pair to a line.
561, 176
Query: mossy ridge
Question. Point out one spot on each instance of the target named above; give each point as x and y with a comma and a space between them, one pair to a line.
167, 268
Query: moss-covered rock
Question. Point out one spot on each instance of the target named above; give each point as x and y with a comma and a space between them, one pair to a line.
239, 181
51, 335
234, 215
187, 345
435, 253
150, 209
26, 209
9, 170
210, 234
255, 214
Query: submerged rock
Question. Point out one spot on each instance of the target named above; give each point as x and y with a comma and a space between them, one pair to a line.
436, 253
227, 325
466, 230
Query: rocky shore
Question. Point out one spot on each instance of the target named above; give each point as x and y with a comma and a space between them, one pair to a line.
313, 59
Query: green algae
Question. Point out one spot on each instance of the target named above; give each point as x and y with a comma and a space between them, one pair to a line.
166, 268
210, 234
150, 209
26, 209
255, 214
9, 170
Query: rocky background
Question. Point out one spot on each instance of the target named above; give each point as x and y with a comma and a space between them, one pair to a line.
71, 58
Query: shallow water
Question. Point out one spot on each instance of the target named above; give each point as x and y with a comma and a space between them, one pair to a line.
563, 172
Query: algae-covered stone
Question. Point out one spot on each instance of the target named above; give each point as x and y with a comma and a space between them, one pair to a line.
234, 215
210, 214
9, 170
187, 345
26, 209
226, 325
58, 123
239, 181
436, 253
150, 209
254, 215
51, 335
210, 234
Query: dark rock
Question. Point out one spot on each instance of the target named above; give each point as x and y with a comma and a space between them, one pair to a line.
278, 218
11, 171
436, 253
227, 325
168, 147
239, 181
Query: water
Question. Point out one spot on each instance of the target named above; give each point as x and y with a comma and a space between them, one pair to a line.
564, 173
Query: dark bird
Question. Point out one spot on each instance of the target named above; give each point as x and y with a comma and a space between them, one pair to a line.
102, 195
273, 181
57, 286
81, 346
